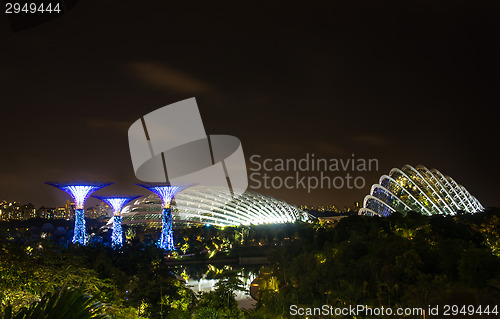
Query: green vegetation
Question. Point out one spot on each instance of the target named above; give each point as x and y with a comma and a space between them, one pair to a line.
398, 261
67, 303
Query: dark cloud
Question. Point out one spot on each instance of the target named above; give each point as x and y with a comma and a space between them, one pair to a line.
372, 140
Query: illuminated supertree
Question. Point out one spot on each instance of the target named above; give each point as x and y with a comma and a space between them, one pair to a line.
166, 192
80, 192
117, 203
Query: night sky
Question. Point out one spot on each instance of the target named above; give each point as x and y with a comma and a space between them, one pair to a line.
406, 82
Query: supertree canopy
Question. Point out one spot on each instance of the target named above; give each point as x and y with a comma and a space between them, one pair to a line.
79, 192
166, 192
117, 203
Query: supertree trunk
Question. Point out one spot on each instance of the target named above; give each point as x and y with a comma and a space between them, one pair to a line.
116, 236
167, 233
80, 235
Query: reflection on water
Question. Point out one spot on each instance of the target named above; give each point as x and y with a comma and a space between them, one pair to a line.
202, 278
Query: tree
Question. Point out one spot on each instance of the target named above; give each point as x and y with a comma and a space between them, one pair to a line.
66, 303
221, 302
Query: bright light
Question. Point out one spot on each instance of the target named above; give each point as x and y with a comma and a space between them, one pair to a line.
117, 202
166, 193
79, 191
80, 234
116, 236
218, 207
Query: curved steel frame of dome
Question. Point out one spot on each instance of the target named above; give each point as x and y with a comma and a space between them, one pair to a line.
418, 189
204, 205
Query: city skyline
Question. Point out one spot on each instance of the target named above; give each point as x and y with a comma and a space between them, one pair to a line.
412, 85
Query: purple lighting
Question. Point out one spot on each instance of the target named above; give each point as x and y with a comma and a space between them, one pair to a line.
79, 192
166, 193
117, 203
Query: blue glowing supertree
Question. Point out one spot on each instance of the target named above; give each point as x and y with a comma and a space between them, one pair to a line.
166, 192
117, 203
80, 192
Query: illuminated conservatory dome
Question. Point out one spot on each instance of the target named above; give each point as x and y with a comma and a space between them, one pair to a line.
418, 189
203, 205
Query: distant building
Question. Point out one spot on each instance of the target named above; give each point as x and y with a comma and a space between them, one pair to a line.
331, 219
70, 208
45, 212
320, 208
61, 212
418, 189
16, 211
213, 206
98, 211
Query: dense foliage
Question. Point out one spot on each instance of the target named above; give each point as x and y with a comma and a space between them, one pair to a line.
398, 261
